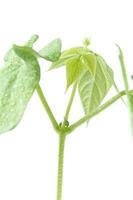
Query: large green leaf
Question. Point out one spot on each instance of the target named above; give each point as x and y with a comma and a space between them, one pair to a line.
93, 88
18, 80
52, 51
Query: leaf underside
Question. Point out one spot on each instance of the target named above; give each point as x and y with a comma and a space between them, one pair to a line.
18, 80
93, 88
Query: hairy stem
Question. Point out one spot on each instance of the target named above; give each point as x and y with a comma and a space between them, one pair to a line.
97, 111
46, 106
62, 138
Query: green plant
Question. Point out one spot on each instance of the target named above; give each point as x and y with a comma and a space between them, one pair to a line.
85, 70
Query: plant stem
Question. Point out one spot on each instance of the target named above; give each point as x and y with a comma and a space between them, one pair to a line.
126, 84
47, 108
100, 109
62, 138
70, 101
123, 68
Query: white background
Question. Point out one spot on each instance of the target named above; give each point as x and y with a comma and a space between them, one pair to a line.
98, 158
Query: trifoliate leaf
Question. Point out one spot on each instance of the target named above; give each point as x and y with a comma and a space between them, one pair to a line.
76, 61
52, 51
68, 55
18, 80
93, 88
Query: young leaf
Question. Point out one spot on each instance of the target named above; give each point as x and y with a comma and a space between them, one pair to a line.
89, 61
18, 80
64, 58
52, 51
76, 60
74, 68
70, 54
92, 89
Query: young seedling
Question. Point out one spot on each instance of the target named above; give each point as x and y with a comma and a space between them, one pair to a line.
86, 72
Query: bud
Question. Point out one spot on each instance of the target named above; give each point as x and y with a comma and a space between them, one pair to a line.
86, 42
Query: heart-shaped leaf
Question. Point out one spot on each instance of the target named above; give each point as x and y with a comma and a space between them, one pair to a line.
18, 80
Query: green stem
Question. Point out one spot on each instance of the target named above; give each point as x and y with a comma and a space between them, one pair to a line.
100, 109
123, 69
70, 101
62, 138
47, 108
125, 79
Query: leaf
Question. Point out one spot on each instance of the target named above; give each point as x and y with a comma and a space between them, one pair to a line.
26, 53
76, 66
31, 41
89, 62
74, 69
93, 89
112, 79
10, 54
18, 80
64, 58
76, 60
52, 51
69, 54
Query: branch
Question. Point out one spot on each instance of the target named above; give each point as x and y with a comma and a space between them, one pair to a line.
97, 111
70, 101
47, 108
